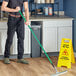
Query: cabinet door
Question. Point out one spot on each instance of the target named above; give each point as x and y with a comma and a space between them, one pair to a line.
15, 44
50, 39
3, 37
27, 41
64, 32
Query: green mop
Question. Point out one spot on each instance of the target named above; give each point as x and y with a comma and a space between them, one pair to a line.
57, 73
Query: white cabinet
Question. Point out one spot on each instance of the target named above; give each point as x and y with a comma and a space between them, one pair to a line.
64, 32
50, 39
15, 44
53, 32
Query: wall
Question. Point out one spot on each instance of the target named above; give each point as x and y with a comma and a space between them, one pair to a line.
70, 10
70, 7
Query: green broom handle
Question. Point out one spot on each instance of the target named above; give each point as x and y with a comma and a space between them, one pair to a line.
36, 38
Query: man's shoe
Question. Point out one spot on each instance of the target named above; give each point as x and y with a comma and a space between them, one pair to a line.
6, 61
22, 61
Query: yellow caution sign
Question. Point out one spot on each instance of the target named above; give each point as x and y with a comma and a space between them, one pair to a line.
66, 55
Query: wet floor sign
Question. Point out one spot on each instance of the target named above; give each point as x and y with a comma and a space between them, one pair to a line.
66, 55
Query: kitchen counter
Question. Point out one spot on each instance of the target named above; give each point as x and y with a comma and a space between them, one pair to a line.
54, 17
42, 18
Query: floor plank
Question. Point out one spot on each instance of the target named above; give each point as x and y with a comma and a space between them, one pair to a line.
37, 67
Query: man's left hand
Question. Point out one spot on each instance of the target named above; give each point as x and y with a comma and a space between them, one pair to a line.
27, 23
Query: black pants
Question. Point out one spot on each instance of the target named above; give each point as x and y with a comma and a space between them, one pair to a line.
15, 24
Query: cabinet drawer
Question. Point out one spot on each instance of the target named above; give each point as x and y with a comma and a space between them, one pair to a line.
57, 23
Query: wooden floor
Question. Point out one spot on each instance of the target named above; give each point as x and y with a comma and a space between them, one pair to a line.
37, 67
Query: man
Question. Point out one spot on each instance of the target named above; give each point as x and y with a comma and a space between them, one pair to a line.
15, 23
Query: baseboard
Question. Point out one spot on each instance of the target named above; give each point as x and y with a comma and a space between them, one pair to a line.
50, 54
54, 54
28, 55
15, 56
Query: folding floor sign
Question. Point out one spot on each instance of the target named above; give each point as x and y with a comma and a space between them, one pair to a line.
66, 55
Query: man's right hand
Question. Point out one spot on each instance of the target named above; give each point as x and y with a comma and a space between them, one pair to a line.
17, 9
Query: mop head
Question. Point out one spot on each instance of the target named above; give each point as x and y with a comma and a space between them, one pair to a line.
59, 73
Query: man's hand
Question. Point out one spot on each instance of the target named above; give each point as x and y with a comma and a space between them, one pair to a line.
5, 8
17, 9
27, 23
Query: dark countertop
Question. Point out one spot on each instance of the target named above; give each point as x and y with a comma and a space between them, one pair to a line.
42, 18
